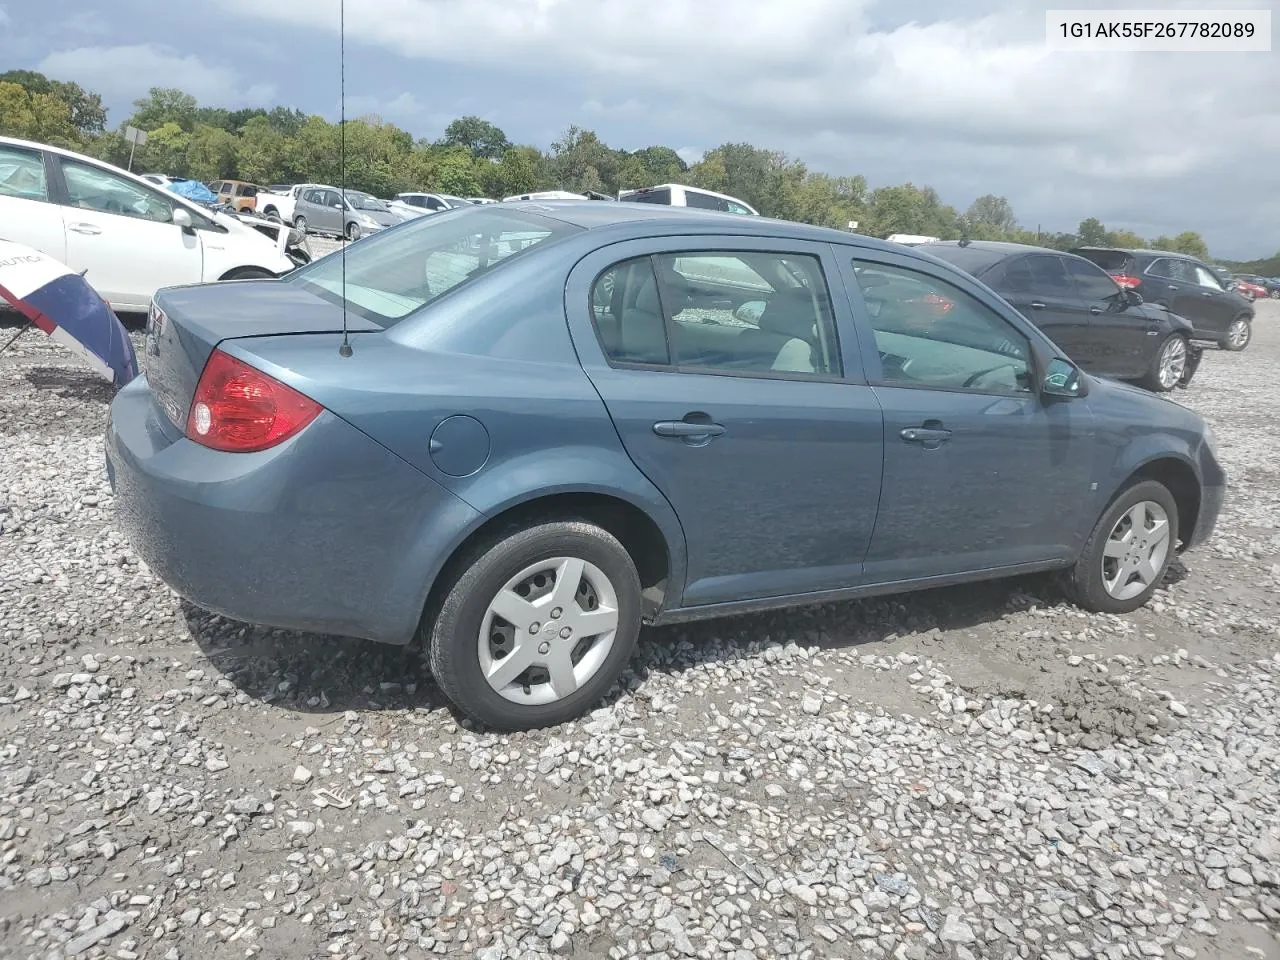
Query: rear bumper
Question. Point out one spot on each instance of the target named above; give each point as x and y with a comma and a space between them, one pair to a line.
327, 532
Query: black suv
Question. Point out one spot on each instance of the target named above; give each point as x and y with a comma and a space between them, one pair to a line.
1185, 285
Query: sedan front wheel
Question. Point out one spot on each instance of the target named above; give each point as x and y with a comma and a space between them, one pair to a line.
1126, 557
1238, 335
1168, 365
538, 627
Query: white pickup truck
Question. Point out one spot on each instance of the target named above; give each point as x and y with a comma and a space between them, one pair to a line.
279, 201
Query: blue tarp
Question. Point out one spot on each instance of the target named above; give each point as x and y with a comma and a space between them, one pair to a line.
193, 190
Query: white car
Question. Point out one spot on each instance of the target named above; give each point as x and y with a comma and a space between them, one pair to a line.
414, 204
548, 195
280, 202
129, 236
678, 195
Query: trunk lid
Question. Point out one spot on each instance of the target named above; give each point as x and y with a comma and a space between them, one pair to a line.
196, 319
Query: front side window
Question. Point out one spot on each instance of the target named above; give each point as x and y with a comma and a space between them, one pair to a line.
22, 174
932, 334
1092, 281
652, 196
245, 190
1049, 276
92, 188
390, 275
1205, 277
737, 208
705, 201
721, 312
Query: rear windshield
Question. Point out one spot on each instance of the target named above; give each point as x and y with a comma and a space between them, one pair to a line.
972, 260
392, 274
1112, 261
652, 196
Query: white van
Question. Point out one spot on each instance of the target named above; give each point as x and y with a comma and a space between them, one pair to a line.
678, 195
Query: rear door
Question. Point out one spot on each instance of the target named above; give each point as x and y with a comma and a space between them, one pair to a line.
979, 474
1119, 336
719, 361
28, 214
122, 233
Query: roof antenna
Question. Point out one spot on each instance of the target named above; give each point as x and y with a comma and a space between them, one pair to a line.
345, 349
965, 239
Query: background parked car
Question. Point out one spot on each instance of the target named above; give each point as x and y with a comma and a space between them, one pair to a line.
159, 179
1259, 287
236, 194
1187, 286
417, 204
131, 236
1107, 330
322, 209
280, 201
672, 468
678, 195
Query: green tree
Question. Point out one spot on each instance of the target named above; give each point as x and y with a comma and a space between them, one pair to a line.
660, 165
1192, 244
165, 151
478, 136
993, 215
36, 116
521, 170
85, 109
164, 105
1126, 239
211, 154
1092, 233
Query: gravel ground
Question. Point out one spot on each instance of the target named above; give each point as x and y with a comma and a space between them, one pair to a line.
957, 774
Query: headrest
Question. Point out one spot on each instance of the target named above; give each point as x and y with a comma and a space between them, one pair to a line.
647, 297
790, 312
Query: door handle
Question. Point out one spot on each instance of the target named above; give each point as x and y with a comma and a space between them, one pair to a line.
1173, 286
85, 228
687, 430
1095, 310
1206, 293
1037, 305
929, 436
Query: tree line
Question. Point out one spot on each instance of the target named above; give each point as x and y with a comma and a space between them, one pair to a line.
475, 158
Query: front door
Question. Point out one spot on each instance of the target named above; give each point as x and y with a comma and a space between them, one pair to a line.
1039, 287
123, 235
1121, 336
979, 473
719, 362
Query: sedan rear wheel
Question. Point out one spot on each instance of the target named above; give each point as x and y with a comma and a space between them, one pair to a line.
538, 627
1129, 551
300, 223
353, 231
1168, 365
1238, 334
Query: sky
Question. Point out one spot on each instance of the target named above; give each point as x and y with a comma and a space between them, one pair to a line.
962, 95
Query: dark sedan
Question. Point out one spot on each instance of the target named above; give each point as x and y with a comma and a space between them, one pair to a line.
1107, 330
519, 431
1187, 286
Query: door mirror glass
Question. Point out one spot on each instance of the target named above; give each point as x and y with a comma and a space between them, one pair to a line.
750, 312
1062, 379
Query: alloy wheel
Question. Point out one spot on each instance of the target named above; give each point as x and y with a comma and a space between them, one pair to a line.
1173, 361
1136, 550
1238, 333
548, 631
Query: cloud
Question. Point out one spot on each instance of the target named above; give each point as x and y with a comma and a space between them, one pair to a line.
126, 72
4, 17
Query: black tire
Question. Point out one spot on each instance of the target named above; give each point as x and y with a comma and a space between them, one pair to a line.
353, 231
1084, 580
300, 223
1151, 380
1275, 294
1226, 343
248, 273
272, 214
454, 631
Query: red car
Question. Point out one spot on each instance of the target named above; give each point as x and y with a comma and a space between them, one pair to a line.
1247, 288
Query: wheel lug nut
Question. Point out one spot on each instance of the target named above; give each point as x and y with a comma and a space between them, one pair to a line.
535, 627
566, 633
555, 614
544, 648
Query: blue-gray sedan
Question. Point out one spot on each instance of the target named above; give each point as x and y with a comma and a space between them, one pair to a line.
558, 421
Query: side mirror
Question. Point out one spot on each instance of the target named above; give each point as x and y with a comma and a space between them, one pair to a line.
1131, 297
1063, 380
750, 312
183, 219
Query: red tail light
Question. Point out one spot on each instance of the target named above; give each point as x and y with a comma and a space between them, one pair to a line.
239, 409
1127, 281
939, 303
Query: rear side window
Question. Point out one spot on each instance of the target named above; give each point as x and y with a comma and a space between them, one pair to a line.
1091, 281
22, 174
244, 190
1112, 261
651, 196
704, 201
1049, 276
390, 275
719, 312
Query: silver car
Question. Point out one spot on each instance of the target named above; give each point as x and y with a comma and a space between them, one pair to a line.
323, 210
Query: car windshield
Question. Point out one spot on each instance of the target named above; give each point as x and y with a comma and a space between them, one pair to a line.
454, 201
390, 275
362, 201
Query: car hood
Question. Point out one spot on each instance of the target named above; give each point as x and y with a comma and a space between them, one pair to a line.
1130, 404
385, 218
